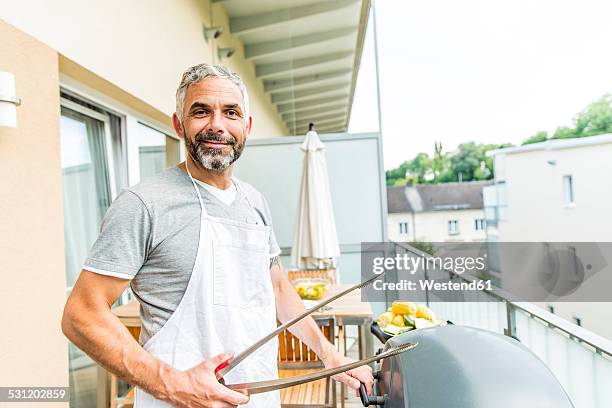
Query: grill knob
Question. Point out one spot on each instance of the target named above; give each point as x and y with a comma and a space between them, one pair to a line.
367, 401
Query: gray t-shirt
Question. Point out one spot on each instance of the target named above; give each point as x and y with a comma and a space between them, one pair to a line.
150, 235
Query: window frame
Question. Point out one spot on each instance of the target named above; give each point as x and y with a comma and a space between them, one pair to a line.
68, 104
133, 153
480, 224
130, 120
454, 231
568, 190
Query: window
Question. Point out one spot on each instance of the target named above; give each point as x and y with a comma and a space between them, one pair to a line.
403, 227
89, 137
156, 151
87, 180
578, 321
495, 203
568, 189
453, 227
479, 224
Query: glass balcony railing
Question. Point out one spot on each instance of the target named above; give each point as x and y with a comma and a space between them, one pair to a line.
580, 359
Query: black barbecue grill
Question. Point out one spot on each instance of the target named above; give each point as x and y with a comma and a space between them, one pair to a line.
463, 367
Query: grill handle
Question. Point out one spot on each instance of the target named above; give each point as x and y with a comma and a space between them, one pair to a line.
367, 400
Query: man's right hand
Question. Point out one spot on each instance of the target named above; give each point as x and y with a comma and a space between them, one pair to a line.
198, 387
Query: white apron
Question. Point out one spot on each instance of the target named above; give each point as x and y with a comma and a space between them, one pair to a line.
228, 305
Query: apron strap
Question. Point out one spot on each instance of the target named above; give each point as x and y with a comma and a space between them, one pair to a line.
196, 189
238, 186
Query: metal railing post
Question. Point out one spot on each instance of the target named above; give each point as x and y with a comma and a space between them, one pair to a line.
510, 320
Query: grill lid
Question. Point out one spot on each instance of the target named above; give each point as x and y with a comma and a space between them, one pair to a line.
458, 366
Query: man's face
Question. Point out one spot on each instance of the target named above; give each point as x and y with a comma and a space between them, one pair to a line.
213, 123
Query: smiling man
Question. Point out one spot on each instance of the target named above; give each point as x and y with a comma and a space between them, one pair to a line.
197, 248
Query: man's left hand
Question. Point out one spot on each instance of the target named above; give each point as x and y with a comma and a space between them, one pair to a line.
351, 378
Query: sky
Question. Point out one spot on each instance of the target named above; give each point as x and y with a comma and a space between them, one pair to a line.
489, 71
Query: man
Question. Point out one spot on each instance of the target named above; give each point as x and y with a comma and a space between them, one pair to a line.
197, 248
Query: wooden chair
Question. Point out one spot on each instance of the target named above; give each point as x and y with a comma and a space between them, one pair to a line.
328, 273
295, 358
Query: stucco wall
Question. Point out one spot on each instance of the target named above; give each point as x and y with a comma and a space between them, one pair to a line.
141, 46
33, 351
537, 210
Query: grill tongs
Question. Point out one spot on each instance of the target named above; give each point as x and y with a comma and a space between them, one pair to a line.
271, 385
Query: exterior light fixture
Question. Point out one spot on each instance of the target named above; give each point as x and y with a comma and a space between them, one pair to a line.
8, 100
223, 53
212, 32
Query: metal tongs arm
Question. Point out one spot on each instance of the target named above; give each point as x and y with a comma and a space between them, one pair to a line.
227, 366
272, 385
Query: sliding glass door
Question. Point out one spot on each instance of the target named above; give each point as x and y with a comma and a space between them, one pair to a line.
88, 188
86, 185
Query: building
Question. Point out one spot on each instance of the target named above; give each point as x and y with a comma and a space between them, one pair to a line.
555, 191
97, 82
436, 212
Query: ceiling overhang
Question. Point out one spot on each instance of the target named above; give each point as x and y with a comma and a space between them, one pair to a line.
306, 53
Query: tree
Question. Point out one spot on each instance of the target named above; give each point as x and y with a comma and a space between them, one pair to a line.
418, 168
564, 133
398, 173
439, 161
596, 119
482, 173
466, 160
537, 138
489, 160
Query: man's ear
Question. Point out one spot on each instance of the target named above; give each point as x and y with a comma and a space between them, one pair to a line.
178, 126
249, 127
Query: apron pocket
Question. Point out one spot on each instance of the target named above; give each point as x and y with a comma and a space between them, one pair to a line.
241, 275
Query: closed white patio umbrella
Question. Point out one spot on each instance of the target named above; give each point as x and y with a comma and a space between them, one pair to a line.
315, 241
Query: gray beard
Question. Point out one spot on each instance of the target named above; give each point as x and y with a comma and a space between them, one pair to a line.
214, 159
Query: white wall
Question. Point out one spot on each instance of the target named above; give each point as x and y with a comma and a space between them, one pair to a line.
595, 316
357, 221
536, 204
537, 210
141, 46
432, 226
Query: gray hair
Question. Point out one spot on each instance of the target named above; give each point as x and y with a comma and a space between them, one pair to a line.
198, 73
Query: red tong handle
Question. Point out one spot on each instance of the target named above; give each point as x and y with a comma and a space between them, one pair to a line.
222, 366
